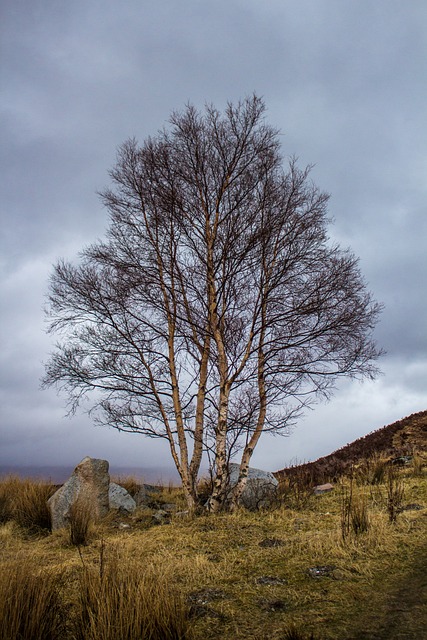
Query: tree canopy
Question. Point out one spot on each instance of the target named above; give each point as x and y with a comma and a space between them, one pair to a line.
216, 309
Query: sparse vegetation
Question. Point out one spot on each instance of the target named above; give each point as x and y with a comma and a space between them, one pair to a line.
287, 573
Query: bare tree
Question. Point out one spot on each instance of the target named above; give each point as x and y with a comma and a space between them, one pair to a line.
217, 308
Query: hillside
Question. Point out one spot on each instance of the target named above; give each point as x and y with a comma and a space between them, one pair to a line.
403, 437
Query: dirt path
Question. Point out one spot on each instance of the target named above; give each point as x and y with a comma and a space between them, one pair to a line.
403, 614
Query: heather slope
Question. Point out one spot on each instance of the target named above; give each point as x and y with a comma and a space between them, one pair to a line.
400, 438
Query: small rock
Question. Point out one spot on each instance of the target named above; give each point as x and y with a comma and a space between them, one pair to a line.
401, 461
271, 542
124, 525
321, 571
322, 488
201, 611
120, 499
140, 496
214, 557
272, 605
161, 517
170, 507
412, 507
199, 600
270, 580
203, 596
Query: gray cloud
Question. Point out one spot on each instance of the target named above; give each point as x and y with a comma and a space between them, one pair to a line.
346, 85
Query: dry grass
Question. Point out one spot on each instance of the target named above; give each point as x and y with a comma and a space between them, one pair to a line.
395, 493
24, 501
119, 598
246, 575
31, 605
80, 519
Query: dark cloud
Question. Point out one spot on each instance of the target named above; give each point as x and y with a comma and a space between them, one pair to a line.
344, 82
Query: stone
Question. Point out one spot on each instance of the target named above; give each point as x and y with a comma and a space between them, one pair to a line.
161, 517
321, 571
271, 542
120, 499
140, 496
270, 580
323, 488
274, 605
260, 489
401, 461
89, 483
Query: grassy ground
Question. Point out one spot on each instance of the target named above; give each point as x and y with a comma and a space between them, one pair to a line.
305, 567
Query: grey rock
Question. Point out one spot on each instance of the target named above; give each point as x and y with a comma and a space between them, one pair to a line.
170, 507
270, 580
323, 488
89, 484
120, 499
401, 461
140, 496
321, 571
271, 542
161, 517
260, 490
267, 604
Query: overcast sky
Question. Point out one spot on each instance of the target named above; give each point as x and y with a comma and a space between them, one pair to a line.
346, 83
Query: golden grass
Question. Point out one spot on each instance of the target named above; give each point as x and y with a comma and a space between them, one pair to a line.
31, 604
120, 598
24, 501
246, 575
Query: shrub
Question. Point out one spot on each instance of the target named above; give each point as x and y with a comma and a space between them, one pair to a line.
30, 603
120, 600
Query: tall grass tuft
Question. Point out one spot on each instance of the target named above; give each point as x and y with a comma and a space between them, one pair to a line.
373, 470
120, 600
30, 602
80, 518
25, 501
395, 493
354, 512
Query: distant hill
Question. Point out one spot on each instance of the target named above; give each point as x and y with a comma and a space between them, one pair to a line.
400, 438
59, 474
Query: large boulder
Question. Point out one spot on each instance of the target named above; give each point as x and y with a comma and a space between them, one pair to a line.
120, 499
89, 484
260, 490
